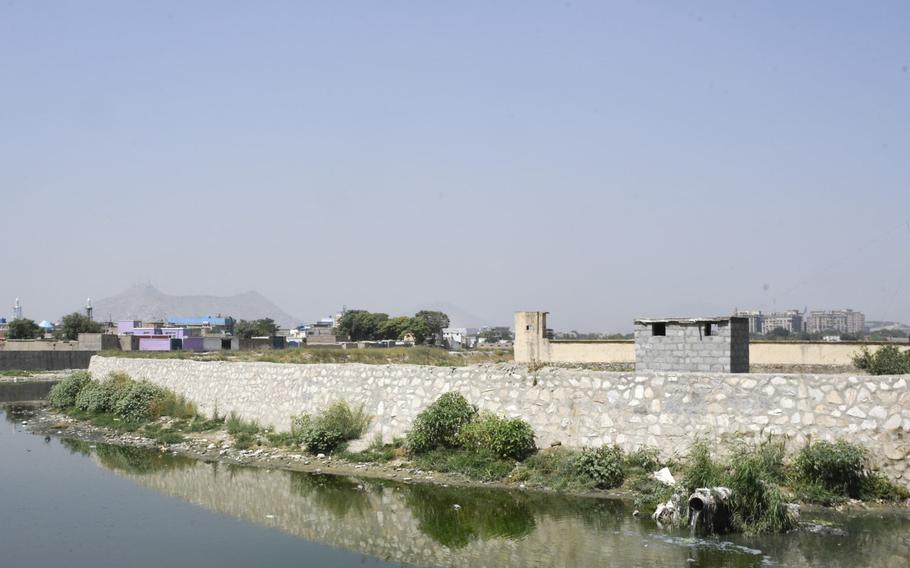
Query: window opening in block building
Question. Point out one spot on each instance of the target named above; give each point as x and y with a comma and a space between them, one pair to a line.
708, 330
658, 329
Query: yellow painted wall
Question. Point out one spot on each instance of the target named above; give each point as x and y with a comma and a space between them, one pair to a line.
807, 353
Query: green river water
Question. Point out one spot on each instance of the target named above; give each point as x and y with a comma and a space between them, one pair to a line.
73, 504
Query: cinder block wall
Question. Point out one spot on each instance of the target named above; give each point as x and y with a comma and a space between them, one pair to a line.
685, 347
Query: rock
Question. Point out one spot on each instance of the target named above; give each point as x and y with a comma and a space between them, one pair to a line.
320, 456
456, 506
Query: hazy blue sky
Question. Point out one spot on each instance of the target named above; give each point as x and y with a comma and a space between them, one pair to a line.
599, 160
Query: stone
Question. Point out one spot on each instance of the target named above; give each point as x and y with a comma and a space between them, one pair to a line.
892, 423
856, 413
878, 412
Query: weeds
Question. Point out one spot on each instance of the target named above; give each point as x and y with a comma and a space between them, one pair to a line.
476, 464
376, 452
236, 425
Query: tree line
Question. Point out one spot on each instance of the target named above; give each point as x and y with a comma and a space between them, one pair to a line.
362, 325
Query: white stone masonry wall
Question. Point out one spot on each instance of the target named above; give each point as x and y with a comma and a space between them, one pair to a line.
573, 406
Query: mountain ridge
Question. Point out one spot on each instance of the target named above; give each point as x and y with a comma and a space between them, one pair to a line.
146, 302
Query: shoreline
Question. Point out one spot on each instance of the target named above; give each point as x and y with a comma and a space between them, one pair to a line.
210, 446
216, 446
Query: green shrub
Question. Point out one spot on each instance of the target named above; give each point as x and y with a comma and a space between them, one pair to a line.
64, 393
509, 438
93, 398
323, 433
603, 465
886, 360
140, 402
321, 440
645, 459
439, 424
878, 487
116, 386
837, 467
340, 417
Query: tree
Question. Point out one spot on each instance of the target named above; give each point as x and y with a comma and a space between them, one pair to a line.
434, 321
778, 333
419, 329
395, 328
255, 328
23, 328
76, 323
495, 334
361, 325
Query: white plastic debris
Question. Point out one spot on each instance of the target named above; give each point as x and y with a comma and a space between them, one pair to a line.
664, 476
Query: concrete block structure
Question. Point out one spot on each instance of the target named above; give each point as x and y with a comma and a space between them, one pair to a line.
713, 344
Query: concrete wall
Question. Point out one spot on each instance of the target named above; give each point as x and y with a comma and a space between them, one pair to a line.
808, 353
38, 345
573, 406
44, 360
531, 344
98, 342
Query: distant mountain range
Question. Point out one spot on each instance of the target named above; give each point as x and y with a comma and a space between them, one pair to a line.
145, 302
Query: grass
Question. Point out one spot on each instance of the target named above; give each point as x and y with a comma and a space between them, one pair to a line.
17, 373
553, 468
418, 355
236, 425
476, 465
244, 440
105, 420
376, 452
283, 439
162, 435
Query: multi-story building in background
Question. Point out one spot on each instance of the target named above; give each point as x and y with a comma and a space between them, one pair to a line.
841, 321
790, 320
755, 318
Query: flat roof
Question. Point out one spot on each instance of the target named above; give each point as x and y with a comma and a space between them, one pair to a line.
701, 319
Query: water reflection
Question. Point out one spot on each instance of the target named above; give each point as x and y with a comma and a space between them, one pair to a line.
126, 459
455, 518
438, 526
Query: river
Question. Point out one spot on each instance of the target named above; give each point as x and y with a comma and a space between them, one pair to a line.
74, 504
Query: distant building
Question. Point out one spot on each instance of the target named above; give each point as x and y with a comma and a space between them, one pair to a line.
206, 324
756, 319
841, 321
460, 337
790, 320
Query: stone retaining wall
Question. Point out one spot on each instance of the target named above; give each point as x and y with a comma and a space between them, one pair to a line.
575, 407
